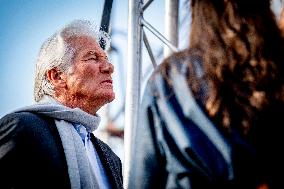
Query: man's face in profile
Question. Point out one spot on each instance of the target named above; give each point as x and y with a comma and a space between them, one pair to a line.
90, 79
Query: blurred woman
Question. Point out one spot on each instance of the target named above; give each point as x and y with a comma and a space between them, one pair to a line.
211, 115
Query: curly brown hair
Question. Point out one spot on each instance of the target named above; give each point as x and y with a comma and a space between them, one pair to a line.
241, 49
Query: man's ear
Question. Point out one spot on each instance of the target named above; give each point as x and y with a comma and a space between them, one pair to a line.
56, 77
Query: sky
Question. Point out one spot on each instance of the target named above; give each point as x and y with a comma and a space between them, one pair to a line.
26, 24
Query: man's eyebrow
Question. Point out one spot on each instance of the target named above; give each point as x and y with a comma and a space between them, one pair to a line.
89, 53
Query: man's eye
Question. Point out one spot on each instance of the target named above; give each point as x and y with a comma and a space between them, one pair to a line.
91, 59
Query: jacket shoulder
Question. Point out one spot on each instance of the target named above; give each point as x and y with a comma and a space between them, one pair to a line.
20, 121
31, 153
20, 117
15, 127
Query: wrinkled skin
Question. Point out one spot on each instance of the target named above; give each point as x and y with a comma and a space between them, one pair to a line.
89, 86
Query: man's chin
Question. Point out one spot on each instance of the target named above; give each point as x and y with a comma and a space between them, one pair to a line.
110, 97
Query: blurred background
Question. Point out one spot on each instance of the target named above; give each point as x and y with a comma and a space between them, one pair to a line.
26, 24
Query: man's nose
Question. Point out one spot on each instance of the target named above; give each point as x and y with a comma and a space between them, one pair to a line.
107, 67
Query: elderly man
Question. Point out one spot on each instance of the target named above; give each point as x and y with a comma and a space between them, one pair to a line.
50, 144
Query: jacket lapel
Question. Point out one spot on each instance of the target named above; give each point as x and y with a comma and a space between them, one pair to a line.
108, 159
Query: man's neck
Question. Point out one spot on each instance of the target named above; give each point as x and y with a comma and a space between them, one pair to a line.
86, 105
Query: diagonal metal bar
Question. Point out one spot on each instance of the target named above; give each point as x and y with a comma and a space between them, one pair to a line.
158, 35
149, 50
146, 5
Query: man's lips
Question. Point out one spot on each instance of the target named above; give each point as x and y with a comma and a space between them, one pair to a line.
108, 81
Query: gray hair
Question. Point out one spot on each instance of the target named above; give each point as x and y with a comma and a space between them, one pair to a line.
57, 53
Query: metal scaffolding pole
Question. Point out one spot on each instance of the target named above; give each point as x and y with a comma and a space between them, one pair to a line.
133, 82
134, 49
171, 25
158, 35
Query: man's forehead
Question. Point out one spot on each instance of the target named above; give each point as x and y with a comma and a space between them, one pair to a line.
81, 41
90, 50
86, 44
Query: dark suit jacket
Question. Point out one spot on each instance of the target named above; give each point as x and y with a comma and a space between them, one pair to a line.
32, 156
